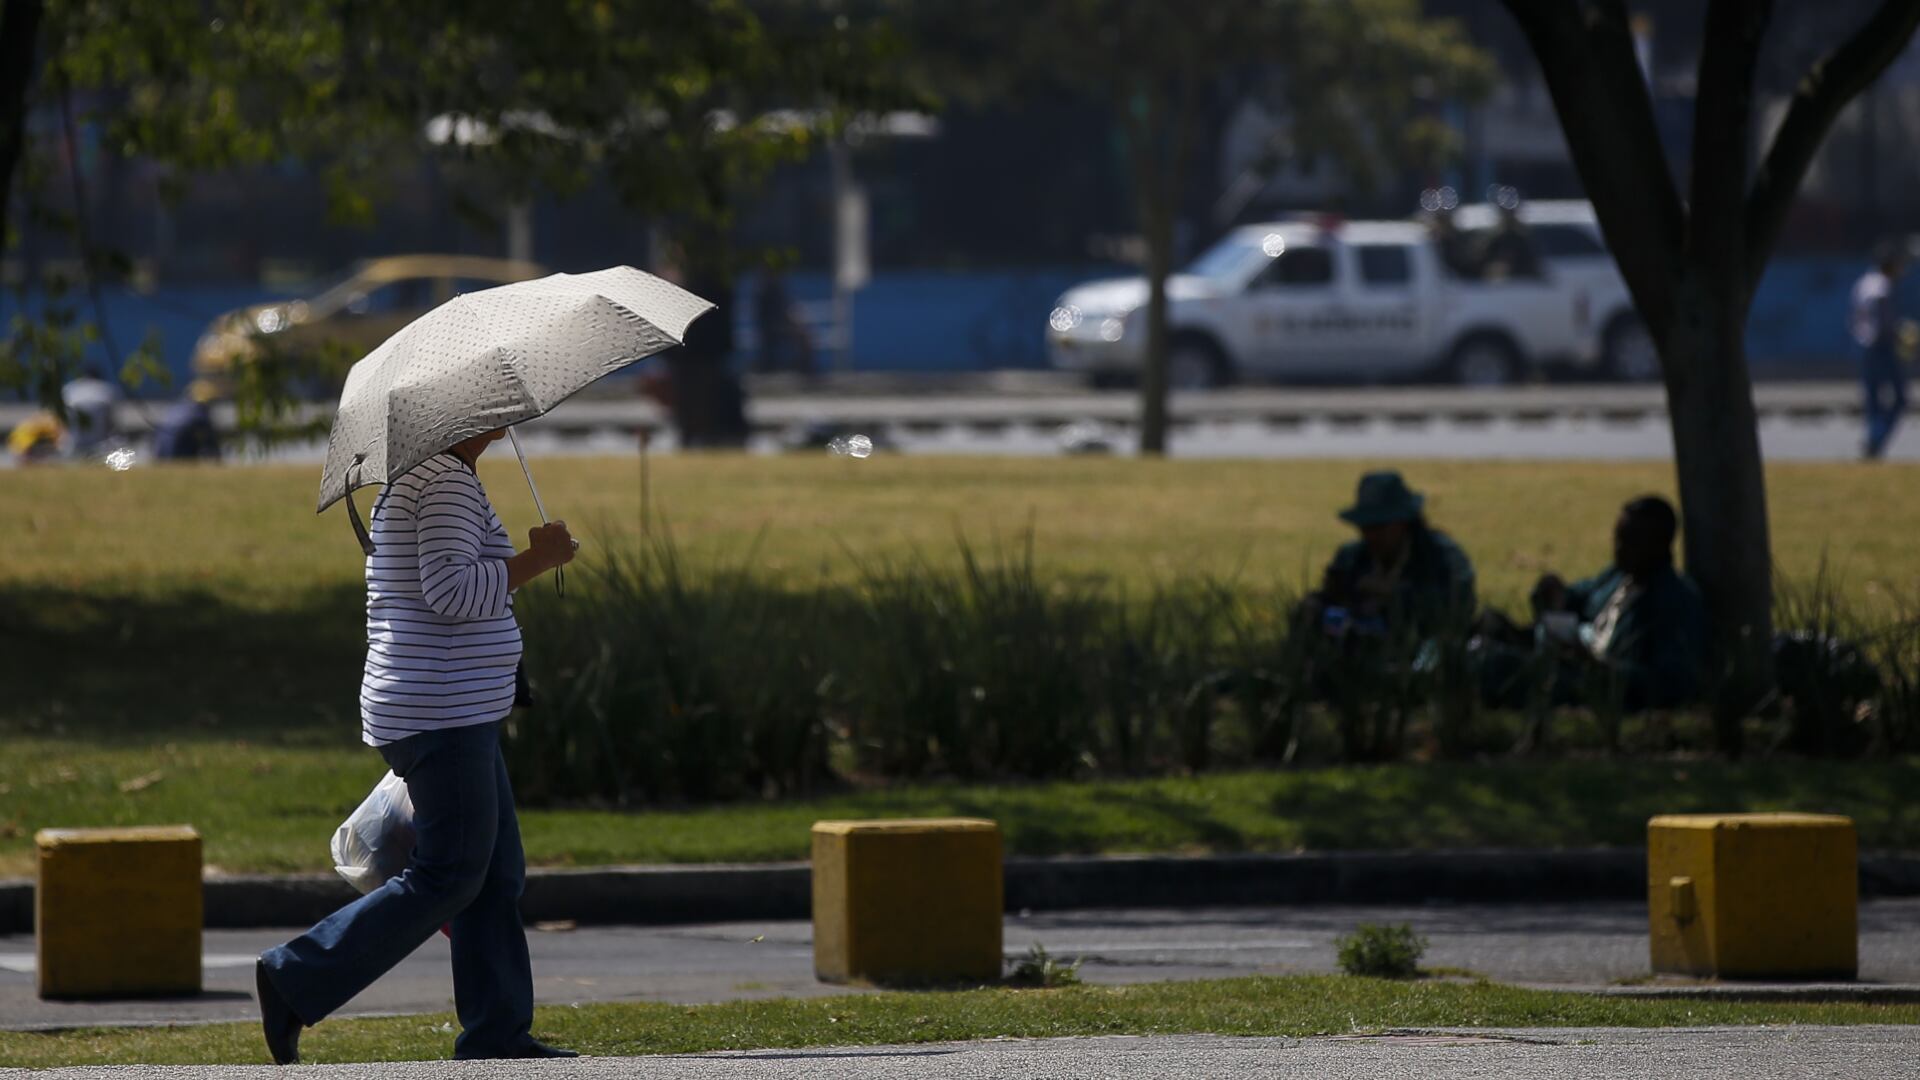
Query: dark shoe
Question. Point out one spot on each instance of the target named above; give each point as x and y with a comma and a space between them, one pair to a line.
532, 1048
277, 1019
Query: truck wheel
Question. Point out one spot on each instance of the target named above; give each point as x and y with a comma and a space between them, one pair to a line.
1485, 360
1628, 351
1194, 363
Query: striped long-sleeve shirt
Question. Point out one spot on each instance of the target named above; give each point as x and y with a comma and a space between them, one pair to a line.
442, 643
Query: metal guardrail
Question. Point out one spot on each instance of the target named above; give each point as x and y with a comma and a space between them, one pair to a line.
930, 412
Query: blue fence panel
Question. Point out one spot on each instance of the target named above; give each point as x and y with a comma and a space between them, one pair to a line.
957, 321
944, 321
179, 314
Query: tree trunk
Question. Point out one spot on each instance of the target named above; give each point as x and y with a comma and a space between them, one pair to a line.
19, 40
1692, 269
1146, 131
1723, 494
1158, 221
1163, 130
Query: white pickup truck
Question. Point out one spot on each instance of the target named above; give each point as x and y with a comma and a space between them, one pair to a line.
1366, 301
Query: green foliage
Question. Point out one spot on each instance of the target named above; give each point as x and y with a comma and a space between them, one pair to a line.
683, 106
550, 93
659, 685
662, 682
1359, 85
1039, 969
1381, 952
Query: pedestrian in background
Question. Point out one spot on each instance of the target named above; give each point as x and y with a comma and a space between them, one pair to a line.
186, 432
784, 342
1876, 330
90, 400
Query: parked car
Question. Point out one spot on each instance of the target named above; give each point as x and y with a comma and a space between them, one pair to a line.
355, 316
1322, 299
1566, 233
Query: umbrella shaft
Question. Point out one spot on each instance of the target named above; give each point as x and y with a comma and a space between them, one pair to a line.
522, 455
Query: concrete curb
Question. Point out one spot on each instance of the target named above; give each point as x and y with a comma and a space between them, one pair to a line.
650, 895
1770, 993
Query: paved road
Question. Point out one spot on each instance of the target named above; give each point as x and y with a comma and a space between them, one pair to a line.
1782, 438
1588, 944
1865, 1053
1799, 422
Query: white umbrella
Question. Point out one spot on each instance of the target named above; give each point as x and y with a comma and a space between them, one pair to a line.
490, 359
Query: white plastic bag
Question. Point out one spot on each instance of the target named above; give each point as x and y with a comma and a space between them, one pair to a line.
376, 840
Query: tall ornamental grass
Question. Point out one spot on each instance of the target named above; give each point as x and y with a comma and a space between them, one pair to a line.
662, 681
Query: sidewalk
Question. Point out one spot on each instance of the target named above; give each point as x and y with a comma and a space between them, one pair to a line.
1860, 1053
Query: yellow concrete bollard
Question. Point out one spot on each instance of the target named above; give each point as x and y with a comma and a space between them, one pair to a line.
907, 901
1754, 895
118, 911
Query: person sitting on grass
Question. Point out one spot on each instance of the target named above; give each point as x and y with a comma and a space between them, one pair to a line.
1637, 628
1402, 578
1370, 640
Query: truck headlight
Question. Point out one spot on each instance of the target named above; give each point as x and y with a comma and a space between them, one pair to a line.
1064, 318
1112, 328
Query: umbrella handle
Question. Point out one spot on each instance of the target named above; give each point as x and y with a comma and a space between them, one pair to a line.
353, 512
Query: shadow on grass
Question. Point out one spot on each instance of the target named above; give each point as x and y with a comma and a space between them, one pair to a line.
1582, 803
1188, 818
1036, 827
183, 664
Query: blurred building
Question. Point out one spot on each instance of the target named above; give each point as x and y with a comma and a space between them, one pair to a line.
1039, 185
973, 230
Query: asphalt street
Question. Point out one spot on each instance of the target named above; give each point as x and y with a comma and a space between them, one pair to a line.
1602, 422
1782, 438
1860, 1053
1551, 945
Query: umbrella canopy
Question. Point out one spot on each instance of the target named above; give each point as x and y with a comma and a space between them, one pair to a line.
489, 359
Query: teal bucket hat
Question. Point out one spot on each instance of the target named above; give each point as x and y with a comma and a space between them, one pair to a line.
1383, 498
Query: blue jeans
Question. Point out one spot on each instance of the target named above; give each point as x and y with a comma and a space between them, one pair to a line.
467, 868
1885, 381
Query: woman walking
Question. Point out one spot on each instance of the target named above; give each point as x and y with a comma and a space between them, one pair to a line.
443, 650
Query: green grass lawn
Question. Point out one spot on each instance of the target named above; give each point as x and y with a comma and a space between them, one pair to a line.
212, 603
273, 809
1295, 1006
202, 629
248, 537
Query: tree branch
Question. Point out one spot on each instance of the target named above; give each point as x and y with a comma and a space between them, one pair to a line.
19, 41
1722, 126
1587, 59
1835, 80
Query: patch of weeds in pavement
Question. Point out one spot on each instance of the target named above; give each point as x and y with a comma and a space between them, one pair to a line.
1295, 1006
1382, 952
1040, 969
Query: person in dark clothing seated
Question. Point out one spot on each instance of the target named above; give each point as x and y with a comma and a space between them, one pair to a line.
1370, 641
1402, 578
1637, 629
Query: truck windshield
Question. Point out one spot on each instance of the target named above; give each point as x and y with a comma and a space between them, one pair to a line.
1234, 259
